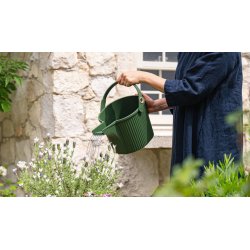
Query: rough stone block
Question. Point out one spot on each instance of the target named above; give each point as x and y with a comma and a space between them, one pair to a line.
23, 150
63, 60
8, 151
140, 173
66, 82
47, 121
19, 109
8, 129
101, 63
35, 89
68, 115
35, 113
100, 84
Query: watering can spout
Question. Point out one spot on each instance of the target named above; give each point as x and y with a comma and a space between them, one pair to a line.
99, 129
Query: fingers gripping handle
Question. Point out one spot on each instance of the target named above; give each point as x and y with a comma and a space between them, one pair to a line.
141, 98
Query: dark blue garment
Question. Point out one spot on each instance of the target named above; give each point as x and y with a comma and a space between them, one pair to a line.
207, 87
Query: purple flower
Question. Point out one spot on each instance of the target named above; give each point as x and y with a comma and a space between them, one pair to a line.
106, 195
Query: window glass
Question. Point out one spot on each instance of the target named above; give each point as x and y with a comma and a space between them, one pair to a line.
152, 56
171, 56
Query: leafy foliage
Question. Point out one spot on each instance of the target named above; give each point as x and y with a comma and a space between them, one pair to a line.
7, 187
9, 80
226, 178
52, 172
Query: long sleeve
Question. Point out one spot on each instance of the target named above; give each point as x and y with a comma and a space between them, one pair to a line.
208, 71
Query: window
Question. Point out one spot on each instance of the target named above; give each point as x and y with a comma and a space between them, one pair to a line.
164, 65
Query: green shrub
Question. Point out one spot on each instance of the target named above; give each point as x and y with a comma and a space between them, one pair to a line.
52, 172
226, 178
7, 187
9, 80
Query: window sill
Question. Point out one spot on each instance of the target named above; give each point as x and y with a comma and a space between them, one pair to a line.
160, 142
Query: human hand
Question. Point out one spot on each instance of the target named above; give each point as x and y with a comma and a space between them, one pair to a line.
150, 103
130, 78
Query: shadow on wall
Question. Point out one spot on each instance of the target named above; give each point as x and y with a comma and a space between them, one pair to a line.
144, 170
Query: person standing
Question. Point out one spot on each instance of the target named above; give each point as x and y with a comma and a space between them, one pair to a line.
207, 87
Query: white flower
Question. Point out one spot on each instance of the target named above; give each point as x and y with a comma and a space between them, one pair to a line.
38, 175
45, 176
33, 165
47, 180
34, 176
36, 140
3, 171
41, 145
14, 170
85, 177
48, 135
120, 185
22, 164
40, 169
20, 184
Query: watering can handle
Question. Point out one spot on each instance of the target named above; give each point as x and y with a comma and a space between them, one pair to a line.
141, 99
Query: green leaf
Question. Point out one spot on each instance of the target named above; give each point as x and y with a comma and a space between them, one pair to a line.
18, 80
7, 81
6, 107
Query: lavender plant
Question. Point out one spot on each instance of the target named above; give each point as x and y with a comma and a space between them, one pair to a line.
53, 172
7, 187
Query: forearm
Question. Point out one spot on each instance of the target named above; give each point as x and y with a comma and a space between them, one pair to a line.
154, 81
160, 104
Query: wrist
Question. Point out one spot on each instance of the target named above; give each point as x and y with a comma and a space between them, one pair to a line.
145, 77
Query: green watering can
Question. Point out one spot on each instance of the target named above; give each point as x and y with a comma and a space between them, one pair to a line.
125, 122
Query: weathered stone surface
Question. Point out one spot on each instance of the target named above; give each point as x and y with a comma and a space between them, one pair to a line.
82, 65
8, 151
34, 113
48, 81
88, 94
164, 158
66, 82
8, 129
32, 131
244, 61
19, 109
140, 173
101, 83
246, 106
35, 89
3, 116
69, 115
43, 59
92, 110
81, 55
47, 121
23, 150
65, 60
101, 63
126, 61
34, 71
19, 131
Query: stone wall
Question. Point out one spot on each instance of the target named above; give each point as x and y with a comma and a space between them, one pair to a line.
246, 107
61, 95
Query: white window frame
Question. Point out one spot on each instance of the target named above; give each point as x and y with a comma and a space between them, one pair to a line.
162, 124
